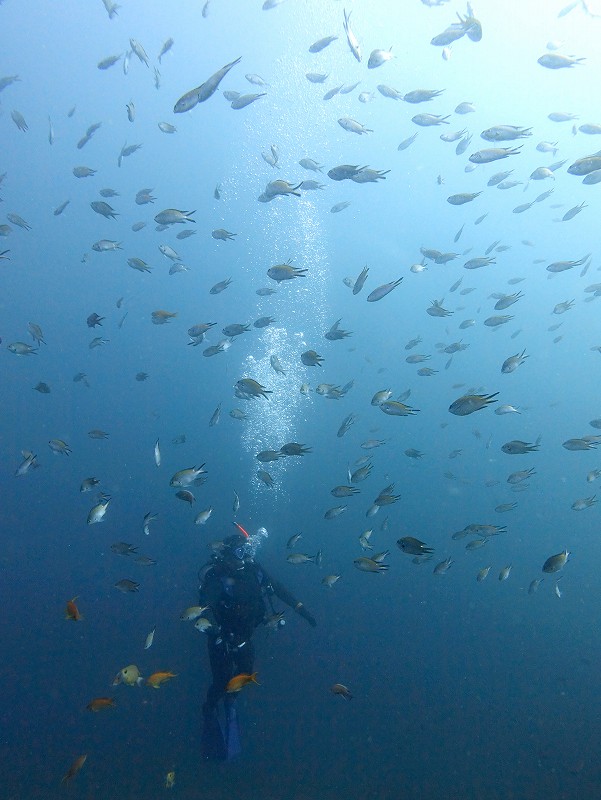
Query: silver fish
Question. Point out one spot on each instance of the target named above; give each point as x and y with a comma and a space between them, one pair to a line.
557, 562
352, 40
382, 291
98, 511
204, 91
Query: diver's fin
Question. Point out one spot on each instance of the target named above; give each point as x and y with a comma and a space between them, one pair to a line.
213, 746
231, 730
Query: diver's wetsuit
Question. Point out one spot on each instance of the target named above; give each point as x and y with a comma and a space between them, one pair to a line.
235, 593
234, 588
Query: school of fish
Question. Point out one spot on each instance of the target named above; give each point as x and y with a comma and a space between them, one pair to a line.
376, 457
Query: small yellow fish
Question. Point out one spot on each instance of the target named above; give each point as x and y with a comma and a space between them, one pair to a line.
169, 780
98, 511
130, 676
58, 446
192, 613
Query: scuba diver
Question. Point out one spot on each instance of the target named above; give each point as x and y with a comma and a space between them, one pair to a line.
235, 587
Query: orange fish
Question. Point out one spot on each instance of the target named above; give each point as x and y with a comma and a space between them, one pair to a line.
74, 768
98, 703
239, 681
71, 611
157, 678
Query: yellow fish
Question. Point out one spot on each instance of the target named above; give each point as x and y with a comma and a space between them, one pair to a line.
129, 675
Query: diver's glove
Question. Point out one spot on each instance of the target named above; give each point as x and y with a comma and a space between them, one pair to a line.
300, 609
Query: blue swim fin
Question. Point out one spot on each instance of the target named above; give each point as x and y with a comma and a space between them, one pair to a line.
231, 729
212, 741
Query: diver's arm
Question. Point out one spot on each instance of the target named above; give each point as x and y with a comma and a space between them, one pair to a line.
287, 597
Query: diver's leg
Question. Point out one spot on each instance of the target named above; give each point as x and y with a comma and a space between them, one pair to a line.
244, 659
213, 743
221, 661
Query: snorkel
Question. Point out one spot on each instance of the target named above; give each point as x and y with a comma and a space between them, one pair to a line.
241, 529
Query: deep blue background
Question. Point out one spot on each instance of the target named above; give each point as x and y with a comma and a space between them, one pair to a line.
461, 689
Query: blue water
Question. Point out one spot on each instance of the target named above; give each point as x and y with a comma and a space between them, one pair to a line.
462, 689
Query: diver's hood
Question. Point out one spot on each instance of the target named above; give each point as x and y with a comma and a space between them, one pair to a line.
233, 542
